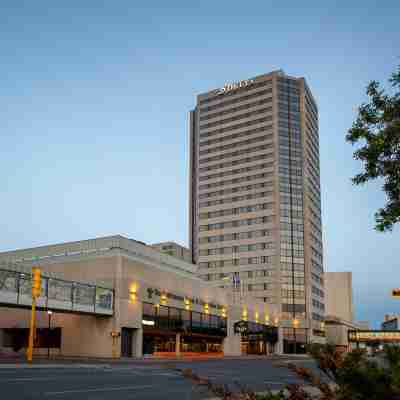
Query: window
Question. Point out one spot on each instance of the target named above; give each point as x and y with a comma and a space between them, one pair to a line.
196, 319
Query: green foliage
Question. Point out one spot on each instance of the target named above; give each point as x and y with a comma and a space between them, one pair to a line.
359, 378
353, 376
378, 127
349, 376
328, 359
270, 396
393, 359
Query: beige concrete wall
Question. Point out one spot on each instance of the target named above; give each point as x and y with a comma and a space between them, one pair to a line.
339, 295
337, 334
87, 335
82, 335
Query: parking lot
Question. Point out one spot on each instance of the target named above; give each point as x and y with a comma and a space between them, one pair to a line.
139, 380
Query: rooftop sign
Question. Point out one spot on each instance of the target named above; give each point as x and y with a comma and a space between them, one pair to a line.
228, 87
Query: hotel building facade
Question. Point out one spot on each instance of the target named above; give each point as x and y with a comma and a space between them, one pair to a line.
255, 208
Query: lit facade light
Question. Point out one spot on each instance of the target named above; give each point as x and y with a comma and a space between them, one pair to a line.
266, 318
296, 323
244, 314
133, 292
206, 308
133, 296
276, 321
188, 305
223, 312
163, 299
256, 315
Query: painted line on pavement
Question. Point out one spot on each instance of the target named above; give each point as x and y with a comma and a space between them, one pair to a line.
48, 378
105, 389
26, 379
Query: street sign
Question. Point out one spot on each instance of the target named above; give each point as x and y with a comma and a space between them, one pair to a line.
396, 292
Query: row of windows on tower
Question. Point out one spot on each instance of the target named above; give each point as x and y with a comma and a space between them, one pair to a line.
237, 261
236, 171
237, 210
226, 164
265, 129
267, 144
232, 128
236, 236
234, 181
257, 139
237, 223
237, 189
234, 199
237, 249
258, 102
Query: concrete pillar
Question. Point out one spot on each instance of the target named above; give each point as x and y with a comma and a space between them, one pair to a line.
178, 344
116, 322
138, 343
279, 344
231, 346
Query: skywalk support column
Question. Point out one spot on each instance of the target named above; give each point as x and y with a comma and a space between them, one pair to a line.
116, 325
178, 344
138, 343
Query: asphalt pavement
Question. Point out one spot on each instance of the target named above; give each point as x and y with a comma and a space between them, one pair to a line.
138, 380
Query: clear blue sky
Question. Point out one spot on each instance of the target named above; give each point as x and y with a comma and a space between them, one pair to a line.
94, 100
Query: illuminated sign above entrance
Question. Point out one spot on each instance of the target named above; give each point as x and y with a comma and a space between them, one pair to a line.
228, 87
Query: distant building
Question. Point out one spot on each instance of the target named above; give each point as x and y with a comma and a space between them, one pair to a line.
174, 250
391, 323
339, 318
363, 325
339, 289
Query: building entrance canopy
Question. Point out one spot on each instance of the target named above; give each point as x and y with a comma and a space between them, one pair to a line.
256, 331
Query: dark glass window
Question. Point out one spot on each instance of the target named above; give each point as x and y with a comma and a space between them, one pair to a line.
148, 310
205, 321
196, 319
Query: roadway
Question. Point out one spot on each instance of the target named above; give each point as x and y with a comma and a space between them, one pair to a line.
138, 380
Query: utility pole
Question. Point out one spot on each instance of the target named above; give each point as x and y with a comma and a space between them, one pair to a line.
36, 291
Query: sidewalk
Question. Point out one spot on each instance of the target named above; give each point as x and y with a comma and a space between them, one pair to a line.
59, 361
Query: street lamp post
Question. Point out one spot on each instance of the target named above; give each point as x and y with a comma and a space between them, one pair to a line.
49, 313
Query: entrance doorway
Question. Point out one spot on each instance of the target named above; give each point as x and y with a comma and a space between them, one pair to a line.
126, 342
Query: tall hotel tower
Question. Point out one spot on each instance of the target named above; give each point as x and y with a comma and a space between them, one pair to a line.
255, 207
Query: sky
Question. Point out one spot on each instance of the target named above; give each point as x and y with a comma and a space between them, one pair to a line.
94, 108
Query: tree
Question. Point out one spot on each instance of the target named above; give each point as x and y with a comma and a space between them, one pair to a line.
377, 127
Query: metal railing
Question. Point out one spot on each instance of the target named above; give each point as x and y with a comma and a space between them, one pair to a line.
57, 294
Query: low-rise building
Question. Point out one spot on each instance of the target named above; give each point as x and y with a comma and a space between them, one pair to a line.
174, 250
339, 319
390, 323
117, 297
